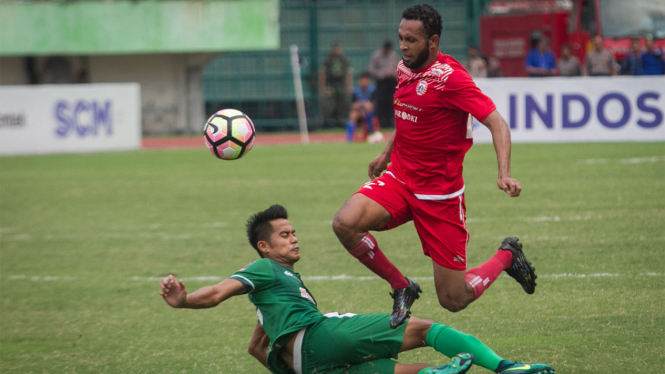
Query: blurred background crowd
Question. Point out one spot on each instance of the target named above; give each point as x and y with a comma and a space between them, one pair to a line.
348, 51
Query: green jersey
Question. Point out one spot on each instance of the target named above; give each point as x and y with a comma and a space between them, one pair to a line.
283, 304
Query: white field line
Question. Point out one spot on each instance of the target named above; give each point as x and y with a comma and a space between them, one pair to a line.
9, 234
636, 160
327, 278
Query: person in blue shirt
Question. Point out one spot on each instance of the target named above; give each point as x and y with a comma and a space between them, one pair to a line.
632, 65
362, 106
541, 61
653, 61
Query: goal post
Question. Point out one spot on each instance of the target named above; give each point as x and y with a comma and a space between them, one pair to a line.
300, 98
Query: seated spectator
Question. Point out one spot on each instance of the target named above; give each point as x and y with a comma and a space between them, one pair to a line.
474, 64
362, 107
569, 65
600, 62
632, 65
653, 61
494, 67
541, 61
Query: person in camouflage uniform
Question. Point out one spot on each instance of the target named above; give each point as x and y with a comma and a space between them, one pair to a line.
335, 85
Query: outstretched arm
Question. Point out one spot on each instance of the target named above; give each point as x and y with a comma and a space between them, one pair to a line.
258, 345
501, 138
175, 293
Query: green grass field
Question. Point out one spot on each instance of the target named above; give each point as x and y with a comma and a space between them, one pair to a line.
82, 237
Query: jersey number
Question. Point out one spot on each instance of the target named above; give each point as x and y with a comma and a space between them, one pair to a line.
370, 184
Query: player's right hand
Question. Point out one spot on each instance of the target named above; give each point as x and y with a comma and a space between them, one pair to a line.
510, 186
174, 293
377, 166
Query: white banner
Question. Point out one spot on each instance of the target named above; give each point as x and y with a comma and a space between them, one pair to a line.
580, 109
70, 118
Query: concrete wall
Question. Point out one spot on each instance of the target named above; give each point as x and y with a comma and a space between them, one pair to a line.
171, 96
133, 27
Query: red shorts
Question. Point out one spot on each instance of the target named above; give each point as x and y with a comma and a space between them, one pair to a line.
440, 223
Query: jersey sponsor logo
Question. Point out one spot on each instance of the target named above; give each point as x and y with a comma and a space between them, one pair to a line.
305, 294
437, 72
288, 273
405, 105
246, 266
421, 88
405, 116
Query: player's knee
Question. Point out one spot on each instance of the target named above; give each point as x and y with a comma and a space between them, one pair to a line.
419, 327
452, 304
343, 225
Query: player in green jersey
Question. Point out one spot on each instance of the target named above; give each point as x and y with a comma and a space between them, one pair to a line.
293, 336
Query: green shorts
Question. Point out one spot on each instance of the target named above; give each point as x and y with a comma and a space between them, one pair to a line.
349, 344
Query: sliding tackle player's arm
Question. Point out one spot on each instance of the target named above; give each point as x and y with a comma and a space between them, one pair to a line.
258, 345
175, 293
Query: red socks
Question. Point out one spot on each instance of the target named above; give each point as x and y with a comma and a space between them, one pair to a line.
369, 254
483, 276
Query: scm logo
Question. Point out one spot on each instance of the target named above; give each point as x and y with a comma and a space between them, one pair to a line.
84, 118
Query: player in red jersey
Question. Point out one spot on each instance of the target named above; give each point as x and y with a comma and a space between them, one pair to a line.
434, 103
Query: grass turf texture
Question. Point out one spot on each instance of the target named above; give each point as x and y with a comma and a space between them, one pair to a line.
96, 221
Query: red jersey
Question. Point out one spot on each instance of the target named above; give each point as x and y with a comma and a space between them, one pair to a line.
433, 127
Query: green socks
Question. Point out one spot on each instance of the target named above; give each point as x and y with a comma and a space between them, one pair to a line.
451, 342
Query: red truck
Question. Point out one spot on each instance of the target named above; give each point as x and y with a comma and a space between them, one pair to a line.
508, 28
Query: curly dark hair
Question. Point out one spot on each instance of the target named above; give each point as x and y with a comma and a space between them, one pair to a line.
430, 18
259, 226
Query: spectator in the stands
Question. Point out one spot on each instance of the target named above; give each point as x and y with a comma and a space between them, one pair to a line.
653, 61
494, 67
600, 62
541, 61
335, 86
383, 67
632, 65
569, 65
474, 64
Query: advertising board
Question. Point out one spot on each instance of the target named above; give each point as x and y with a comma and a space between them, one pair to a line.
69, 118
580, 109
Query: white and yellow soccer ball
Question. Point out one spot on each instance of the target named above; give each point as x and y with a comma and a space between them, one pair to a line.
229, 134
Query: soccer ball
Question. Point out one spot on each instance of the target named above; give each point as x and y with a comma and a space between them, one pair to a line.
377, 137
229, 134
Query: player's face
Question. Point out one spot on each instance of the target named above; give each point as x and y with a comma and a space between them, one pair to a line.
283, 244
413, 43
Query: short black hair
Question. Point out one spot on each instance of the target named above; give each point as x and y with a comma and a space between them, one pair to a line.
259, 226
430, 18
365, 74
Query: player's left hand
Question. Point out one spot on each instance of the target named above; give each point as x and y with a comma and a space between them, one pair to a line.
510, 186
